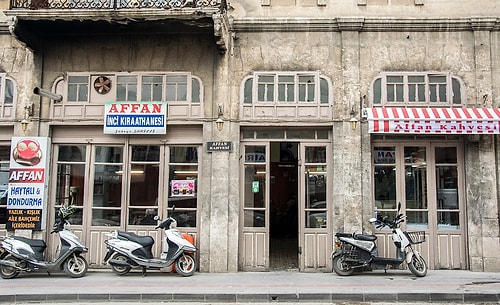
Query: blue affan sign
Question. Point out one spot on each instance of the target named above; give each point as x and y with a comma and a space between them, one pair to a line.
135, 118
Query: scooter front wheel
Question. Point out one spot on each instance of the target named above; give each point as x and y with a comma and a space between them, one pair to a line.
341, 267
76, 266
418, 266
185, 264
7, 272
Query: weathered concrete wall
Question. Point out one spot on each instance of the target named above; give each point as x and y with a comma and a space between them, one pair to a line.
493, 245
350, 56
372, 8
18, 63
218, 198
131, 53
352, 60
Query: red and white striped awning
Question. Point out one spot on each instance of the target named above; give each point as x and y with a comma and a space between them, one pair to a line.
433, 120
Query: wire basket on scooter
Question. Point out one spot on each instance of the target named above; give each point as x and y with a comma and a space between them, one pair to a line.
416, 237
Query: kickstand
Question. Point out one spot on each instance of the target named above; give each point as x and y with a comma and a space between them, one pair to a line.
143, 271
48, 272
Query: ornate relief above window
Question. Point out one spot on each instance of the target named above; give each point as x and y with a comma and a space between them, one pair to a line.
417, 89
85, 94
286, 96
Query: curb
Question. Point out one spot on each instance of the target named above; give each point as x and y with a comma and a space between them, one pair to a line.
456, 298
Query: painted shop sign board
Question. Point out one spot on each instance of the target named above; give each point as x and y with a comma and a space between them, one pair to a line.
135, 118
219, 146
433, 120
27, 191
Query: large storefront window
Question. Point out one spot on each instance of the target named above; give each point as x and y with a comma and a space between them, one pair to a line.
143, 180
427, 178
424, 178
140, 176
70, 183
108, 176
183, 184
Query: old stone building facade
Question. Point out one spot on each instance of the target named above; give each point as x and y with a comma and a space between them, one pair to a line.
281, 123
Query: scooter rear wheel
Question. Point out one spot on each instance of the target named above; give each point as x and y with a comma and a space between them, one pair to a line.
418, 266
76, 266
120, 270
185, 265
7, 272
341, 267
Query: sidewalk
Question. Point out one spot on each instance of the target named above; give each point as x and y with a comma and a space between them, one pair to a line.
456, 286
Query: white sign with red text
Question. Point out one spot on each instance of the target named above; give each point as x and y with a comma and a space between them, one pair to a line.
135, 118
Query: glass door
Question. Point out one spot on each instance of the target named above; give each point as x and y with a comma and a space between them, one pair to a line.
315, 221
254, 243
425, 178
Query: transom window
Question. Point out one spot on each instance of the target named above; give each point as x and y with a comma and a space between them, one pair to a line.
286, 87
417, 88
167, 87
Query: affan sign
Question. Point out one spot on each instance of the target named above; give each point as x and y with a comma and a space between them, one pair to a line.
135, 118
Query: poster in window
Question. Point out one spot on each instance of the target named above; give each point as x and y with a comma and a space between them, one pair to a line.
182, 187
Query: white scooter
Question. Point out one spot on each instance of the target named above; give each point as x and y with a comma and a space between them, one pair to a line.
24, 254
359, 251
127, 250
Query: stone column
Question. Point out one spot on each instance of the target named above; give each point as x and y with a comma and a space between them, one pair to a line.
220, 203
347, 190
482, 193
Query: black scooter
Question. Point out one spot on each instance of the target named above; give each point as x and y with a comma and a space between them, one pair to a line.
359, 251
24, 254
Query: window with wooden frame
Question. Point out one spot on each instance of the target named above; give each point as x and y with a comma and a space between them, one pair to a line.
417, 89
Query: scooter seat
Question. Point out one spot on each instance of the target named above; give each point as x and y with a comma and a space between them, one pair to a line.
366, 237
143, 240
36, 243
